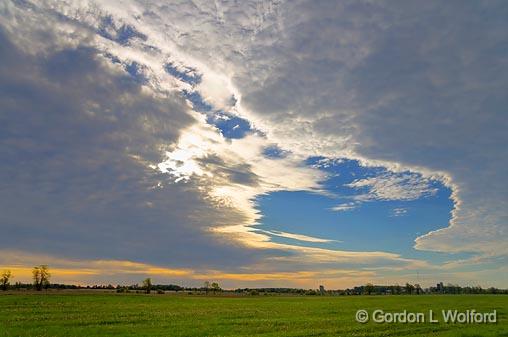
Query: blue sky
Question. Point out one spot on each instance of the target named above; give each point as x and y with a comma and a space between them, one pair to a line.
376, 225
256, 143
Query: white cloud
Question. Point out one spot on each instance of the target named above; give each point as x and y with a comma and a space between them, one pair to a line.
399, 211
393, 186
345, 207
299, 237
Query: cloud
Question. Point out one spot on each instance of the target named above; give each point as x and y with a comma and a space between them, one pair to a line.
299, 237
90, 272
399, 211
345, 207
78, 138
392, 186
103, 166
415, 87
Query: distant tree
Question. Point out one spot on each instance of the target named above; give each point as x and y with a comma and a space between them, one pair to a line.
409, 288
492, 290
215, 287
41, 277
369, 288
418, 289
147, 285
4, 279
207, 286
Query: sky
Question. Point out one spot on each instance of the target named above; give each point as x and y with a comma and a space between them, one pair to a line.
255, 143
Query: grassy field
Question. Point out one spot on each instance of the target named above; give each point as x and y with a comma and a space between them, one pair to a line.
174, 315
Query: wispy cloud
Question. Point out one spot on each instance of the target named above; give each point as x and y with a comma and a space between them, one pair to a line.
399, 211
299, 237
345, 207
393, 186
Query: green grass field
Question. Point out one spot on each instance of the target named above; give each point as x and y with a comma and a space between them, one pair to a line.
105, 314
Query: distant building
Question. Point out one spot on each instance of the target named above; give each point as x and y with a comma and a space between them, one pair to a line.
440, 287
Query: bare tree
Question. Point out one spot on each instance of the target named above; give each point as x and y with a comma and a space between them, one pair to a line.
369, 288
4, 279
41, 277
147, 284
207, 286
215, 287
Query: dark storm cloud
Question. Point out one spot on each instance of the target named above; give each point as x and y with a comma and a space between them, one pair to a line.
76, 137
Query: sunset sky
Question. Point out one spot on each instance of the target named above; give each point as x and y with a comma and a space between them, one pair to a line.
255, 143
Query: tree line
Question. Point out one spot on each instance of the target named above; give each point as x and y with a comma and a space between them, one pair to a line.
41, 280
41, 277
148, 287
416, 289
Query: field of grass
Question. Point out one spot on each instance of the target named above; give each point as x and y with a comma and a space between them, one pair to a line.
103, 314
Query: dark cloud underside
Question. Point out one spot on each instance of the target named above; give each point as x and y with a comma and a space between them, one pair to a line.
76, 138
